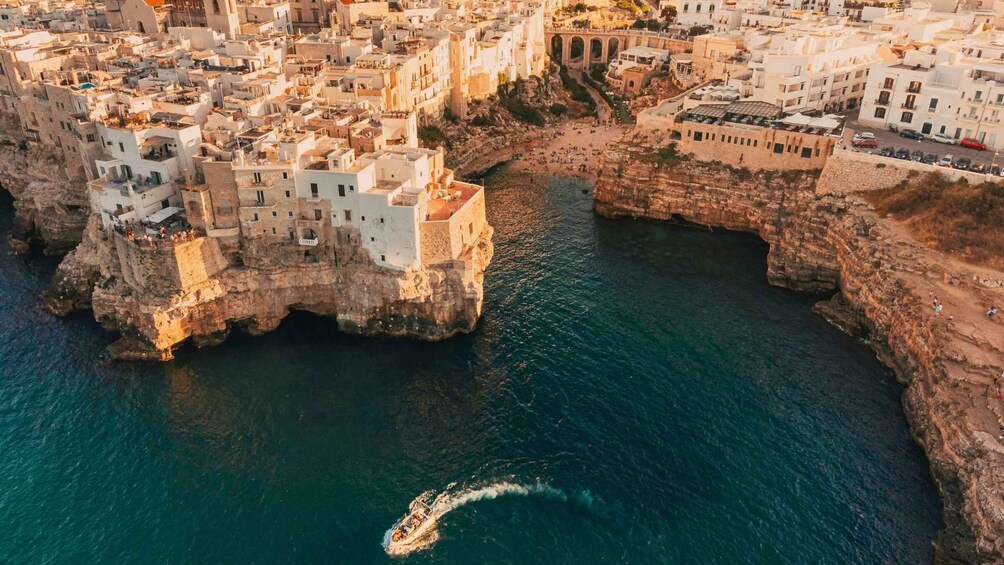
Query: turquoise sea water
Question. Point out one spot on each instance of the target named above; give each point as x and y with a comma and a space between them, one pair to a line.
661, 401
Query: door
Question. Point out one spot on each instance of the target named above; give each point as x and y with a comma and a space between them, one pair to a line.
926, 128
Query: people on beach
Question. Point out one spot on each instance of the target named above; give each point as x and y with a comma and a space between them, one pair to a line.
937, 306
991, 312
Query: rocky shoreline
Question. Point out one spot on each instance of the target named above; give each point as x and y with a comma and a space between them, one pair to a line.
835, 242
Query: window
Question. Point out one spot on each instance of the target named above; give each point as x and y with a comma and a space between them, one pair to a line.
260, 196
257, 178
90, 137
317, 215
287, 194
779, 148
290, 214
285, 175
934, 103
907, 117
880, 113
275, 215
348, 215
888, 83
372, 238
381, 220
806, 152
351, 188
362, 218
255, 217
341, 190
273, 231
313, 190
686, 8
121, 147
383, 257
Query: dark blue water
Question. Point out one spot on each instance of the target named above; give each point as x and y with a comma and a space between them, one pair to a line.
671, 406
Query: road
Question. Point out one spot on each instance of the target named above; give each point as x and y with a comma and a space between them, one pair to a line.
888, 138
604, 113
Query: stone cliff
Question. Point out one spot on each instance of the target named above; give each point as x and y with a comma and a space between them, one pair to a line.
198, 291
50, 201
825, 240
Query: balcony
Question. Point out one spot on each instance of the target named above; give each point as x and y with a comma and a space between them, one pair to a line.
308, 242
913, 89
881, 102
908, 106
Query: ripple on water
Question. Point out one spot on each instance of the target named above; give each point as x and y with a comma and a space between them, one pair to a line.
711, 418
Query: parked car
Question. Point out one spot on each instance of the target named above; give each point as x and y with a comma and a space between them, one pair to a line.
866, 142
903, 154
911, 134
917, 155
942, 138
863, 135
929, 159
887, 151
978, 168
946, 161
972, 143
962, 163
995, 170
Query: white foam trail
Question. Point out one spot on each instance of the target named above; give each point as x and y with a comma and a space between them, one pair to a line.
450, 502
498, 490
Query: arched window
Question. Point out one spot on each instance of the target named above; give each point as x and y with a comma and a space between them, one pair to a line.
216, 6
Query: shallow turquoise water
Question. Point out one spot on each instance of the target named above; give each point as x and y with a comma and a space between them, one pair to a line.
677, 408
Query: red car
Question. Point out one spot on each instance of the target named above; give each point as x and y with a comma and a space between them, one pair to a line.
870, 142
972, 143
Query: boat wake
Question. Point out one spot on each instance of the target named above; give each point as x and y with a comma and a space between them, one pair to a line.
448, 502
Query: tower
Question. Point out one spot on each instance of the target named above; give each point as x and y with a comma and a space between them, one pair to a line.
221, 15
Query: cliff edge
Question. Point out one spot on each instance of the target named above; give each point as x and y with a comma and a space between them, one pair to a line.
826, 238
157, 295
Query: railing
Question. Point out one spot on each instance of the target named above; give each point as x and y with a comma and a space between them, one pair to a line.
309, 242
913, 89
908, 106
881, 102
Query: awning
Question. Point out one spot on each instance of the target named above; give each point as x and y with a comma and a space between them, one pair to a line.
161, 215
797, 120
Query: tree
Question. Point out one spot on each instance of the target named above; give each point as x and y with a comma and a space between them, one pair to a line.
669, 13
696, 30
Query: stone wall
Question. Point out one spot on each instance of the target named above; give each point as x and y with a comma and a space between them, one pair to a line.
446, 239
854, 171
755, 147
167, 268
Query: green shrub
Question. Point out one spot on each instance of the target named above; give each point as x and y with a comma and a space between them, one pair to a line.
432, 136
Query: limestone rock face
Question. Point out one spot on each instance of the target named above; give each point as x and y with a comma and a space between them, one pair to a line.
431, 302
833, 241
50, 202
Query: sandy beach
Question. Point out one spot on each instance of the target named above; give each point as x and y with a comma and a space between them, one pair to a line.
573, 149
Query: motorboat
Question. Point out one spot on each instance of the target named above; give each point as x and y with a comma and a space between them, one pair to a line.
412, 530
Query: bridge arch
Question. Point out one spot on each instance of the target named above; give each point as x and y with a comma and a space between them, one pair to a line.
557, 48
596, 52
613, 47
576, 50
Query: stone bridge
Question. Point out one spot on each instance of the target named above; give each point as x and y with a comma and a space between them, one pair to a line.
580, 48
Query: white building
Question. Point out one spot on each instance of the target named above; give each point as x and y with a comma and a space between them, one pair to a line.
940, 91
693, 12
142, 164
812, 66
